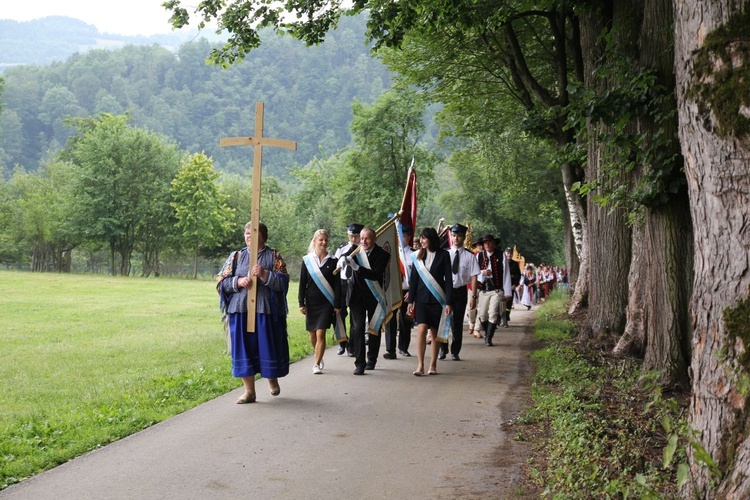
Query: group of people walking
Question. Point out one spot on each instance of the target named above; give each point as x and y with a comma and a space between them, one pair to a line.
437, 288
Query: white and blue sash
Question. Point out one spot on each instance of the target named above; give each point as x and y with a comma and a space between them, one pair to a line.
374, 324
339, 329
444, 328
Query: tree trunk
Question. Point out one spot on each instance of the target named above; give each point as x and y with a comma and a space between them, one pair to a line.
633, 340
716, 148
608, 234
662, 244
578, 261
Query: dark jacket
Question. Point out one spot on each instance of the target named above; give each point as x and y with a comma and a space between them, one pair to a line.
359, 292
441, 271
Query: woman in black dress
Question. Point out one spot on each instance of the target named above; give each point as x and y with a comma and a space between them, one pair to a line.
319, 294
423, 305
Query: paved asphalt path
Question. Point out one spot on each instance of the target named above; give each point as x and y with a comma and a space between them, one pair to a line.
385, 435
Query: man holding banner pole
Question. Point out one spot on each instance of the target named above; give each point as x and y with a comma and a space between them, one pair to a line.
366, 299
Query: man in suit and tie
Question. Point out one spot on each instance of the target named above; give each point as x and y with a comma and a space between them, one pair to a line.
366, 299
465, 270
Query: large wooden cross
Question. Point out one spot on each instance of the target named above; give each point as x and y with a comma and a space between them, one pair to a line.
257, 141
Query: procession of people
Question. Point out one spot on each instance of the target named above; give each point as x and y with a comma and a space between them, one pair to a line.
439, 287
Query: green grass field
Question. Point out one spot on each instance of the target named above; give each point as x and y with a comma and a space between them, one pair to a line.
87, 360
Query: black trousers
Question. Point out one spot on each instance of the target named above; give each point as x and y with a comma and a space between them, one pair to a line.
459, 301
359, 312
400, 323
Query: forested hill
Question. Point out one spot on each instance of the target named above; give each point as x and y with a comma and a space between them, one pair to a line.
307, 91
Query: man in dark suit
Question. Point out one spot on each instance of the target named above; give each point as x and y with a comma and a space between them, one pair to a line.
369, 266
465, 270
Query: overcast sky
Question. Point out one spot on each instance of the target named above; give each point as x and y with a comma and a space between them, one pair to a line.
120, 17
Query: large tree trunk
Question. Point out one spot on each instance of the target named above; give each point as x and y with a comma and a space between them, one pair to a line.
608, 233
716, 147
661, 265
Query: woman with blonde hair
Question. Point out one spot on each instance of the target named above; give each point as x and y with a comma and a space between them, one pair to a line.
319, 294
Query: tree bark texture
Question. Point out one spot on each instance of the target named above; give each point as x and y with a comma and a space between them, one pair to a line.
717, 165
608, 234
659, 294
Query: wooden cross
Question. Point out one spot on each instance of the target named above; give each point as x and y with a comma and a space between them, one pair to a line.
257, 141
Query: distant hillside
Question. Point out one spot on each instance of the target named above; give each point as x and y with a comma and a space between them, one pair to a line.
308, 93
56, 38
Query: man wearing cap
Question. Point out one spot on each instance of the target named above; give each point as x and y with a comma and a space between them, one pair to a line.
465, 270
366, 299
490, 288
400, 322
352, 232
511, 279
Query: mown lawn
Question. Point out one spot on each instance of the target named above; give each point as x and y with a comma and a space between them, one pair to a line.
87, 360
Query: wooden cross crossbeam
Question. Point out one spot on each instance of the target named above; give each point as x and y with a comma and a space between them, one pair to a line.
258, 142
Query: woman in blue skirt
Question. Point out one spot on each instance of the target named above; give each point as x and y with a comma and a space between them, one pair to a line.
266, 350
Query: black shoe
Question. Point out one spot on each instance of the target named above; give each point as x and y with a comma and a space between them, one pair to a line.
359, 371
404, 353
349, 353
455, 357
342, 349
441, 355
370, 366
389, 355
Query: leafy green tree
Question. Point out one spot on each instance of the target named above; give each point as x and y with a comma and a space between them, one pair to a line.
203, 218
122, 180
11, 248
43, 226
386, 139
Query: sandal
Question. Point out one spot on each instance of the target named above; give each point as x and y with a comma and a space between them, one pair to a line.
275, 387
248, 397
418, 373
432, 372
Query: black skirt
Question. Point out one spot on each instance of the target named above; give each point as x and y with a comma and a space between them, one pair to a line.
428, 313
319, 316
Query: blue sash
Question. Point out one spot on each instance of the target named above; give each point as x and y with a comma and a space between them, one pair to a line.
374, 324
339, 329
444, 328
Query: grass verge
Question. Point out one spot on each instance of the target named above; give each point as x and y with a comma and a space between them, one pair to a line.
90, 359
599, 428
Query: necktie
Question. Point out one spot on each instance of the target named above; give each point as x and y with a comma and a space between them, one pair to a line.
455, 263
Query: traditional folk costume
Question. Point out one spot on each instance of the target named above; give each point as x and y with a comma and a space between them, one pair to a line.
265, 351
529, 290
490, 291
